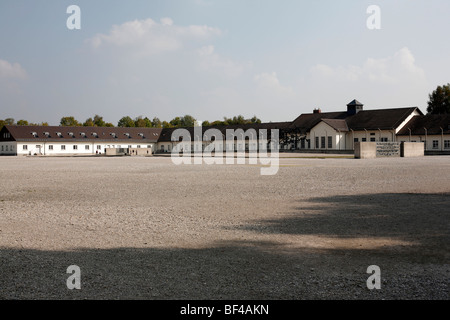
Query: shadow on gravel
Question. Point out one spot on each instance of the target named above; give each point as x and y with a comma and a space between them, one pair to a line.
261, 270
420, 219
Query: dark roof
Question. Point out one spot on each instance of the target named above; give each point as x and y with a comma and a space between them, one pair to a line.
384, 119
337, 124
306, 121
432, 122
59, 133
355, 103
166, 134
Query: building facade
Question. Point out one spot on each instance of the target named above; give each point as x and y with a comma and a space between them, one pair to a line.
322, 131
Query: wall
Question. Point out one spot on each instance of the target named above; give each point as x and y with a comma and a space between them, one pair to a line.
370, 134
412, 149
8, 148
140, 151
365, 150
441, 145
83, 148
324, 130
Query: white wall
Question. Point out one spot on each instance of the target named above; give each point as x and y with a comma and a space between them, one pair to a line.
82, 148
441, 141
324, 130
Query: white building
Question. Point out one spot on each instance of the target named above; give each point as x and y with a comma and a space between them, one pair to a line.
321, 131
56, 140
340, 130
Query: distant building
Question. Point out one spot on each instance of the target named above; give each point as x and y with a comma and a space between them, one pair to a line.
432, 129
340, 130
310, 131
56, 140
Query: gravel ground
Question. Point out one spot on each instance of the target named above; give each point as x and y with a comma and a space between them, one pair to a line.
143, 228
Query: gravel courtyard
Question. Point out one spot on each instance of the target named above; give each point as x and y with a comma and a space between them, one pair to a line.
144, 228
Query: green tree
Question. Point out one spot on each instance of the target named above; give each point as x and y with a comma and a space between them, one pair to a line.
89, 123
187, 121
166, 124
109, 124
9, 121
217, 123
206, 123
142, 122
439, 100
69, 122
175, 122
156, 123
23, 123
255, 120
98, 121
126, 122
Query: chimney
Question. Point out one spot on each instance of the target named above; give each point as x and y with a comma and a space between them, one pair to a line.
354, 107
317, 110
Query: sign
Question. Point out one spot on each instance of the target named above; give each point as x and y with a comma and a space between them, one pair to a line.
388, 149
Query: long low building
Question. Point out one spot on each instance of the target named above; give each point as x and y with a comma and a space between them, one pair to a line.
58, 140
323, 131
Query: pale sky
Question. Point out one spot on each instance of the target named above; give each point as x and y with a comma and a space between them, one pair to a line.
210, 59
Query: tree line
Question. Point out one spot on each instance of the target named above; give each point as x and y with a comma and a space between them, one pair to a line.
438, 103
142, 122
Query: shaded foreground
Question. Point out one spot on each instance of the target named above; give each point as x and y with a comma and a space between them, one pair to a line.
145, 229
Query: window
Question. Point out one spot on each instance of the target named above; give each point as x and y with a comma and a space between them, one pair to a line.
138, 145
50, 147
25, 147
372, 139
63, 147
363, 139
447, 144
6, 148
330, 142
2, 148
355, 139
384, 139
322, 142
317, 142
372, 133
86, 147
435, 144
99, 147
75, 147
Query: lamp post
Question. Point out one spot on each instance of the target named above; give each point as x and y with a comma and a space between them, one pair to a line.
426, 134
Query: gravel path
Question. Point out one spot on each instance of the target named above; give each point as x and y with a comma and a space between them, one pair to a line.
143, 228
